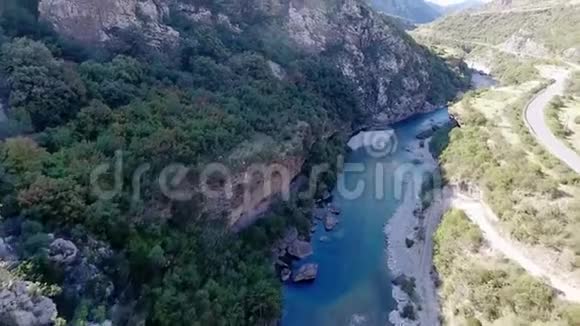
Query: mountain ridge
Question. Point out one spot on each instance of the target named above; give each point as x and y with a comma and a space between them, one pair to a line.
415, 11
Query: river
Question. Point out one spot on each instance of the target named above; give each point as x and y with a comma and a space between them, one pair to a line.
354, 283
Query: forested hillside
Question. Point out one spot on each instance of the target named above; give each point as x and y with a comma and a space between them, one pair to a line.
209, 95
537, 29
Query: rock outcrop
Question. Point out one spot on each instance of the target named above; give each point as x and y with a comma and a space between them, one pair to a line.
305, 273
300, 249
97, 21
7, 252
523, 43
390, 71
330, 222
19, 306
62, 251
572, 54
285, 274
83, 266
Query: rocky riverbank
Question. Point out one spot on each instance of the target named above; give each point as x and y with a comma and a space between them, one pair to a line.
294, 247
410, 251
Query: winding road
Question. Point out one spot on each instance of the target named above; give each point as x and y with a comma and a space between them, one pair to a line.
536, 121
482, 215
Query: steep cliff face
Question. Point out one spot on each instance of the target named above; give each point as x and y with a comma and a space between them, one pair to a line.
96, 21
391, 72
389, 69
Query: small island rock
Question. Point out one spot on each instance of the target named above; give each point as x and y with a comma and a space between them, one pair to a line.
306, 273
285, 274
300, 249
330, 222
334, 210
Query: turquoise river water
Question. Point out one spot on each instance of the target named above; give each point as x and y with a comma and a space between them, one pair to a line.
353, 286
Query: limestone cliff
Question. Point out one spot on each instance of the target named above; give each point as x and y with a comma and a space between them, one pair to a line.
392, 75
391, 72
96, 21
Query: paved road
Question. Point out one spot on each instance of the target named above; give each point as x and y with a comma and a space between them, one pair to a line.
536, 121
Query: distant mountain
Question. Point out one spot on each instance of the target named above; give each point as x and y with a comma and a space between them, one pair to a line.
548, 28
415, 11
503, 5
421, 11
469, 4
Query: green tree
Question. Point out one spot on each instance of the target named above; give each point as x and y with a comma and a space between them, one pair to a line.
56, 201
21, 156
49, 91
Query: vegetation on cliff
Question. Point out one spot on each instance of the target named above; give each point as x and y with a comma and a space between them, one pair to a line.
191, 107
73, 108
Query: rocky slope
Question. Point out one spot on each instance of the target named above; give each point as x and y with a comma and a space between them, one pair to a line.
393, 76
392, 73
19, 306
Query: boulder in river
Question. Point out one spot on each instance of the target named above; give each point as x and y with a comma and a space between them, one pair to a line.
282, 245
409, 242
307, 272
330, 222
334, 210
285, 274
319, 213
300, 249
